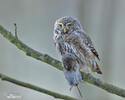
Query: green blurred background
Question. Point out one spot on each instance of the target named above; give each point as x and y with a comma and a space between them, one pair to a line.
103, 20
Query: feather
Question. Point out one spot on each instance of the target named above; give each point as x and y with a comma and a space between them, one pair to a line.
87, 41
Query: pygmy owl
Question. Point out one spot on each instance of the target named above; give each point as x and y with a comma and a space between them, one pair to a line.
76, 49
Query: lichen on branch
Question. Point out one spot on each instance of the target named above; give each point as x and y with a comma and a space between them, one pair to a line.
57, 64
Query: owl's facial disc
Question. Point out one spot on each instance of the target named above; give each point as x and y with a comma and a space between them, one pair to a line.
60, 25
62, 28
65, 30
68, 25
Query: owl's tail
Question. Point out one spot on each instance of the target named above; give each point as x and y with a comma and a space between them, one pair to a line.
95, 68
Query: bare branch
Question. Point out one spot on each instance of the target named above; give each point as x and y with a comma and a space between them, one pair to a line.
57, 64
36, 88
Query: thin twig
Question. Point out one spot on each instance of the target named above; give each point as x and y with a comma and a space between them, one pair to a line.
57, 64
15, 31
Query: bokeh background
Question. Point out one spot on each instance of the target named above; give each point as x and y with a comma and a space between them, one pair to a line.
103, 20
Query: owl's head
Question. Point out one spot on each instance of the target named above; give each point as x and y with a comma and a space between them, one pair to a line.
66, 25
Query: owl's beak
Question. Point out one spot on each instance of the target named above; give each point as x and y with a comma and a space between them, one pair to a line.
65, 30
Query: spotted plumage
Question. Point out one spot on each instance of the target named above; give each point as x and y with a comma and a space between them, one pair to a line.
69, 38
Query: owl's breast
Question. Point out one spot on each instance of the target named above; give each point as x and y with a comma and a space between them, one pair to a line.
65, 47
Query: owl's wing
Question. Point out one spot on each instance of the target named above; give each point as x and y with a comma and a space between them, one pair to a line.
83, 48
88, 43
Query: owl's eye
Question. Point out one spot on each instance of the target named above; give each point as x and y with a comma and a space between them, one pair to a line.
60, 26
69, 25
